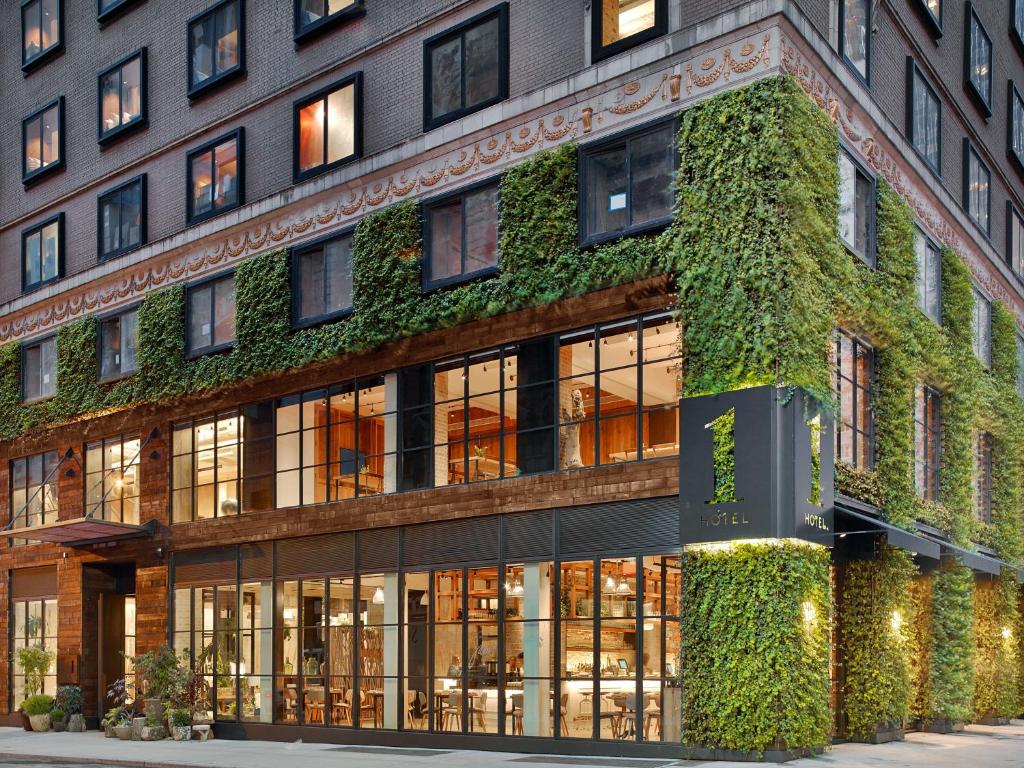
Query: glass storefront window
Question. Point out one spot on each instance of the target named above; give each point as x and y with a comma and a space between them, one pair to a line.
112, 479
33, 623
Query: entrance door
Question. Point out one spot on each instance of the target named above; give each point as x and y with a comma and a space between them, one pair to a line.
109, 630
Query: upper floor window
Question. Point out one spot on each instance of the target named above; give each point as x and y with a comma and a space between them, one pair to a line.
626, 184
107, 10
211, 315
34, 489
855, 423
122, 218
1020, 366
42, 252
210, 457
328, 127
932, 14
855, 34
466, 68
42, 31
112, 479
119, 341
977, 188
216, 176
981, 328
1017, 27
924, 126
927, 447
39, 370
1014, 238
315, 16
122, 95
983, 476
978, 62
1016, 129
929, 276
42, 140
461, 236
216, 46
856, 207
322, 280
620, 24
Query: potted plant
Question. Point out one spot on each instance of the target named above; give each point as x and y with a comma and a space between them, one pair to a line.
58, 720
110, 721
38, 708
153, 730
35, 661
161, 678
120, 694
181, 724
69, 701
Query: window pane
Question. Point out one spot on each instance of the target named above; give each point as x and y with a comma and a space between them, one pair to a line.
863, 214
925, 120
651, 169
481, 211
51, 135
51, 245
111, 224
607, 196
200, 318
110, 348
1018, 120
311, 136
30, 24
981, 58
482, 63
341, 114
131, 216
855, 34
338, 288
622, 18
33, 145
129, 340
202, 182
202, 50
109, 100
131, 90
311, 283
224, 311
227, 174
446, 77
978, 190
47, 368
50, 26
30, 375
33, 259
227, 37
446, 240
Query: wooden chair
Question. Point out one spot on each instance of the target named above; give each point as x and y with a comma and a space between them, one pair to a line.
341, 709
452, 711
414, 709
478, 706
516, 713
315, 707
563, 713
652, 714
290, 699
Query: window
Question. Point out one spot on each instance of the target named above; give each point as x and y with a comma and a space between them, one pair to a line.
211, 315
1016, 127
1014, 238
983, 476
313, 17
620, 24
122, 95
42, 31
929, 276
1020, 366
39, 370
42, 253
981, 328
216, 179
108, 10
322, 280
927, 448
461, 236
112, 479
34, 498
33, 623
216, 46
924, 124
122, 218
855, 35
1017, 27
978, 62
466, 68
42, 141
626, 184
932, 13
977, 188
853, 380
328, 127
119, 339
856, 208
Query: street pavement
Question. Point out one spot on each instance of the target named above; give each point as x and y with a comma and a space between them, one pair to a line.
977, 747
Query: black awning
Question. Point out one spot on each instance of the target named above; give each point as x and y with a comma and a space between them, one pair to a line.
974, 560
850, 522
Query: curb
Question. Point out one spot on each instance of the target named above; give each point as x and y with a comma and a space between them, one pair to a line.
105, 761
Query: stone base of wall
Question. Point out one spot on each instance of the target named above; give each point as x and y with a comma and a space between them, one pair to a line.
938, 726
883, 735
735, 755
994, 721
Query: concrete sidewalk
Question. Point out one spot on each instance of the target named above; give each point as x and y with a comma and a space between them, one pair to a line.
977, 747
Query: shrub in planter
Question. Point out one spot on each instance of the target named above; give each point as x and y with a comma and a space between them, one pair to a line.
35, 661
154, 729
38, 708
181, 724
111, 720
58, 720
68, 699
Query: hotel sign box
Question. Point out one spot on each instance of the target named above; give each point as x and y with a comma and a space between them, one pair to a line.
779, 439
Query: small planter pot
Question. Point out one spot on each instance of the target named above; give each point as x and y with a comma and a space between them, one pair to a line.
123, 731
155, 707
153, 733
40, 723
138, 724
25, 722
110, 731
182, 732
76, 723
59, 725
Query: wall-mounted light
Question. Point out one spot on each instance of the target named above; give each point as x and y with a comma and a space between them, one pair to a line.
1007, 633
810, 612
896, 621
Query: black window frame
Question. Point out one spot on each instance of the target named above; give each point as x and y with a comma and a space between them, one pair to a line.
499, 11
119, 8
29, 65
933, 23
1013, 212
982, 476
860, 348
21, 378
870, 255
983, 103
920, 300
307, 32
866, 76
29, 231
913, 72
141, 180
30, 177
1013, 96
982, 353
295, 255
214, 81
428, 284
933, 440
598, 52
624, 138
356, 80
238, 134
117, 314
1017, 34
970, 149
106, 137
191, 352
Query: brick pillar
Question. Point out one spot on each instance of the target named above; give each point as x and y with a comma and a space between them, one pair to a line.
5, 583
70, 614
154, 473
150, 606
71, 485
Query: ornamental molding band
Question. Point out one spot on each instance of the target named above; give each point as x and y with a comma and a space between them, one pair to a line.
660, 93
859, 135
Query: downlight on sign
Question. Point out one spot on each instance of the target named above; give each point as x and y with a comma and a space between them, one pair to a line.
750, 467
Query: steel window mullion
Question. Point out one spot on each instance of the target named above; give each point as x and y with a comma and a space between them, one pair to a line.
466, 714
326, 139
638, 625
639, 443
595, 648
